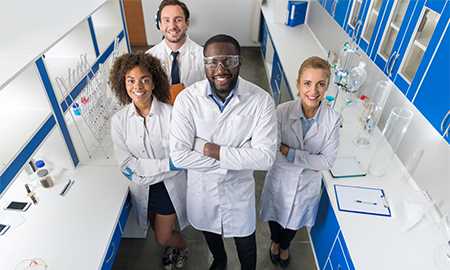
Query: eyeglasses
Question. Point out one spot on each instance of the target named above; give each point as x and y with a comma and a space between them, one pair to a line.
227, 61
143, 81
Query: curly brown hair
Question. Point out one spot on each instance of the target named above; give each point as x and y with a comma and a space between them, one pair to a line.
127, 62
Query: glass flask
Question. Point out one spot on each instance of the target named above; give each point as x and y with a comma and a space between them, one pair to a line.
356, 79
393, 133
373, 108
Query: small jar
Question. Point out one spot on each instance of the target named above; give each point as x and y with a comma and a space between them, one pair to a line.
44, 177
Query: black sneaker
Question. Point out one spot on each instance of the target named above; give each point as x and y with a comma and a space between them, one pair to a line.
180, 258
168, 258
218, 265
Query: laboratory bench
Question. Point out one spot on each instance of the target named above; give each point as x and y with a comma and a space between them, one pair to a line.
80, 230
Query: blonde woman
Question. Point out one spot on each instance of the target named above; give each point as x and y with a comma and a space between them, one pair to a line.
308, 132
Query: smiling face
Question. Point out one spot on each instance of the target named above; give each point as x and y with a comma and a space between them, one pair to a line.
139, 85
223, 71
173, 24
312, 85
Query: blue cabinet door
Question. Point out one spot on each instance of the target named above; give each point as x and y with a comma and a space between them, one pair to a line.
325, 230
397, 37
276, 77
356, 18
328, 265
263, 33
341, 11
427, 51
374, 21
337, 257
433, 97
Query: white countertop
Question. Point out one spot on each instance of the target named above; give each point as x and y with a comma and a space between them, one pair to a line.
67, 232
293, 45
374, 242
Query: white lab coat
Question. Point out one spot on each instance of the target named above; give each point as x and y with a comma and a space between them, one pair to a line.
291, 190
221, 194
146, 153
190, 61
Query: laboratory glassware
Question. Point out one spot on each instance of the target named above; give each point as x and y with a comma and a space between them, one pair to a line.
393, 133
372, 110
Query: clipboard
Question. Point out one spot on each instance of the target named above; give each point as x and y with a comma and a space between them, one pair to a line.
362, 200
347, 167
175, 89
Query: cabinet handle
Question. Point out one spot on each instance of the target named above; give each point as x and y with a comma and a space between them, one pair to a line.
445, 133
356, 32
394, 59
386, 67
334, 7
112, 252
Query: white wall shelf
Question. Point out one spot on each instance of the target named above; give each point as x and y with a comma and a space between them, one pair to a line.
24, 108
107, 24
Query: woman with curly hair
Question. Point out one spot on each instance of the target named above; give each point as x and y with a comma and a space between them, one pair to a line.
140, 133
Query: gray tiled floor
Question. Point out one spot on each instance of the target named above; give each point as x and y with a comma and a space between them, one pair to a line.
144, 254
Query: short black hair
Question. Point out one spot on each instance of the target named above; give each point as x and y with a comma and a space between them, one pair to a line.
222, 38
166, 3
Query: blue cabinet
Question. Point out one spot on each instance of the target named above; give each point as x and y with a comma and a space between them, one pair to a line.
433, 96
392, 42
115, 240
324, 232
263, 35
329, 245
375, 21
341, 11
356, 18
425, 40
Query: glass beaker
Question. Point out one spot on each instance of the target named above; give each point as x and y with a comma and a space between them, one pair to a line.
373, 108
393, 133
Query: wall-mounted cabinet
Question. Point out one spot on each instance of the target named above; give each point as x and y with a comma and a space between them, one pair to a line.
372, 24
418, 45
403, 38
356, 18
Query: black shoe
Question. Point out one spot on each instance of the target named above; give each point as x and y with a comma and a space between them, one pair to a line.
285, 263
275, 258
218, 265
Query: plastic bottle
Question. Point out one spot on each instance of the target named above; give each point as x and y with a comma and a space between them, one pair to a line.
43, 174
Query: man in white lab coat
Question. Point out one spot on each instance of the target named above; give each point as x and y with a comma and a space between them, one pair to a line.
181, 57
222, 129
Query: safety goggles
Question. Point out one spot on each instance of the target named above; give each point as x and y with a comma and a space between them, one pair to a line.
227, 61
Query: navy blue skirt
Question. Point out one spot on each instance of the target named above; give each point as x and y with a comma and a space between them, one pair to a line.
159, 201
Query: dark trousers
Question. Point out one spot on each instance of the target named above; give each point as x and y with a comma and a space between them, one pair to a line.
281, 236
246, 249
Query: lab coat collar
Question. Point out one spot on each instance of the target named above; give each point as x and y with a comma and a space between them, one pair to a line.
155, 109
182, 50
296, 114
